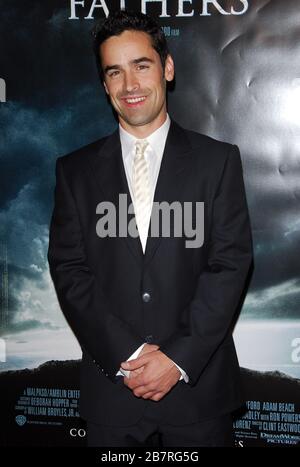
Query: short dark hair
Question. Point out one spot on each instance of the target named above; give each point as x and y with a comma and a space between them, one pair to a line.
121, 21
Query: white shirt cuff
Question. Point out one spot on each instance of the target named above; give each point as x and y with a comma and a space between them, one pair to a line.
183, 374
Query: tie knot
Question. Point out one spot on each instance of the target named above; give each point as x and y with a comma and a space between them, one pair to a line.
140, 146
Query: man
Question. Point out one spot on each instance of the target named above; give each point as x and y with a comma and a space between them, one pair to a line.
153, 316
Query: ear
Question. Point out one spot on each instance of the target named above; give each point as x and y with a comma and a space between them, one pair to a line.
105, 87
169, 68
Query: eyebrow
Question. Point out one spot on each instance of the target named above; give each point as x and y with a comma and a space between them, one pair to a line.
136, 61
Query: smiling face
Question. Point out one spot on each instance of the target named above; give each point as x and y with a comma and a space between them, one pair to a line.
135, 81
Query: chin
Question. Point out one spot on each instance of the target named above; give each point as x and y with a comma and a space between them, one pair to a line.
137, 121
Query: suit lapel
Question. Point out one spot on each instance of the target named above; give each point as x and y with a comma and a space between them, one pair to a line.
174, 162
108, 169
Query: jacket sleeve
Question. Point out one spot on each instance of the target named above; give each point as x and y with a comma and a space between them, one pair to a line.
220, 286
106, 337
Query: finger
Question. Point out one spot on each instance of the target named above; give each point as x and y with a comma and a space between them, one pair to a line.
148, 348
134, 382
142, 390
157, 396
135, 363
126, 380
149, 394
134, 373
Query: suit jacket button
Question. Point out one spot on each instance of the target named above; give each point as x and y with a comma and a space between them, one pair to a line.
146, 297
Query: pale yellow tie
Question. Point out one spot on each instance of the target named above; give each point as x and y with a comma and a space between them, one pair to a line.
141, 190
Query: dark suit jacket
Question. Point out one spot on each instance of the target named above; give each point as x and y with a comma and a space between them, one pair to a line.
194, 293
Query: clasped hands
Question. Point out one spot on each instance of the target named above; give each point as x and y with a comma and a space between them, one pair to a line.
152, 374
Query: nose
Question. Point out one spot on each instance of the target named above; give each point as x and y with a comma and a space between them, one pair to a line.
130, 81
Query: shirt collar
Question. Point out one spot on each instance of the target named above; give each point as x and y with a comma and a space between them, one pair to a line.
156, 140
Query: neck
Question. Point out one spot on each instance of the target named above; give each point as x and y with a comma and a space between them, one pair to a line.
143, 131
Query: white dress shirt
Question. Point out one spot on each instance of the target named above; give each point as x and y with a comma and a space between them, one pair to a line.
153, 155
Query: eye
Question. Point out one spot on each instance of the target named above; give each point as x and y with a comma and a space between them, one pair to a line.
113, 74
142, 67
